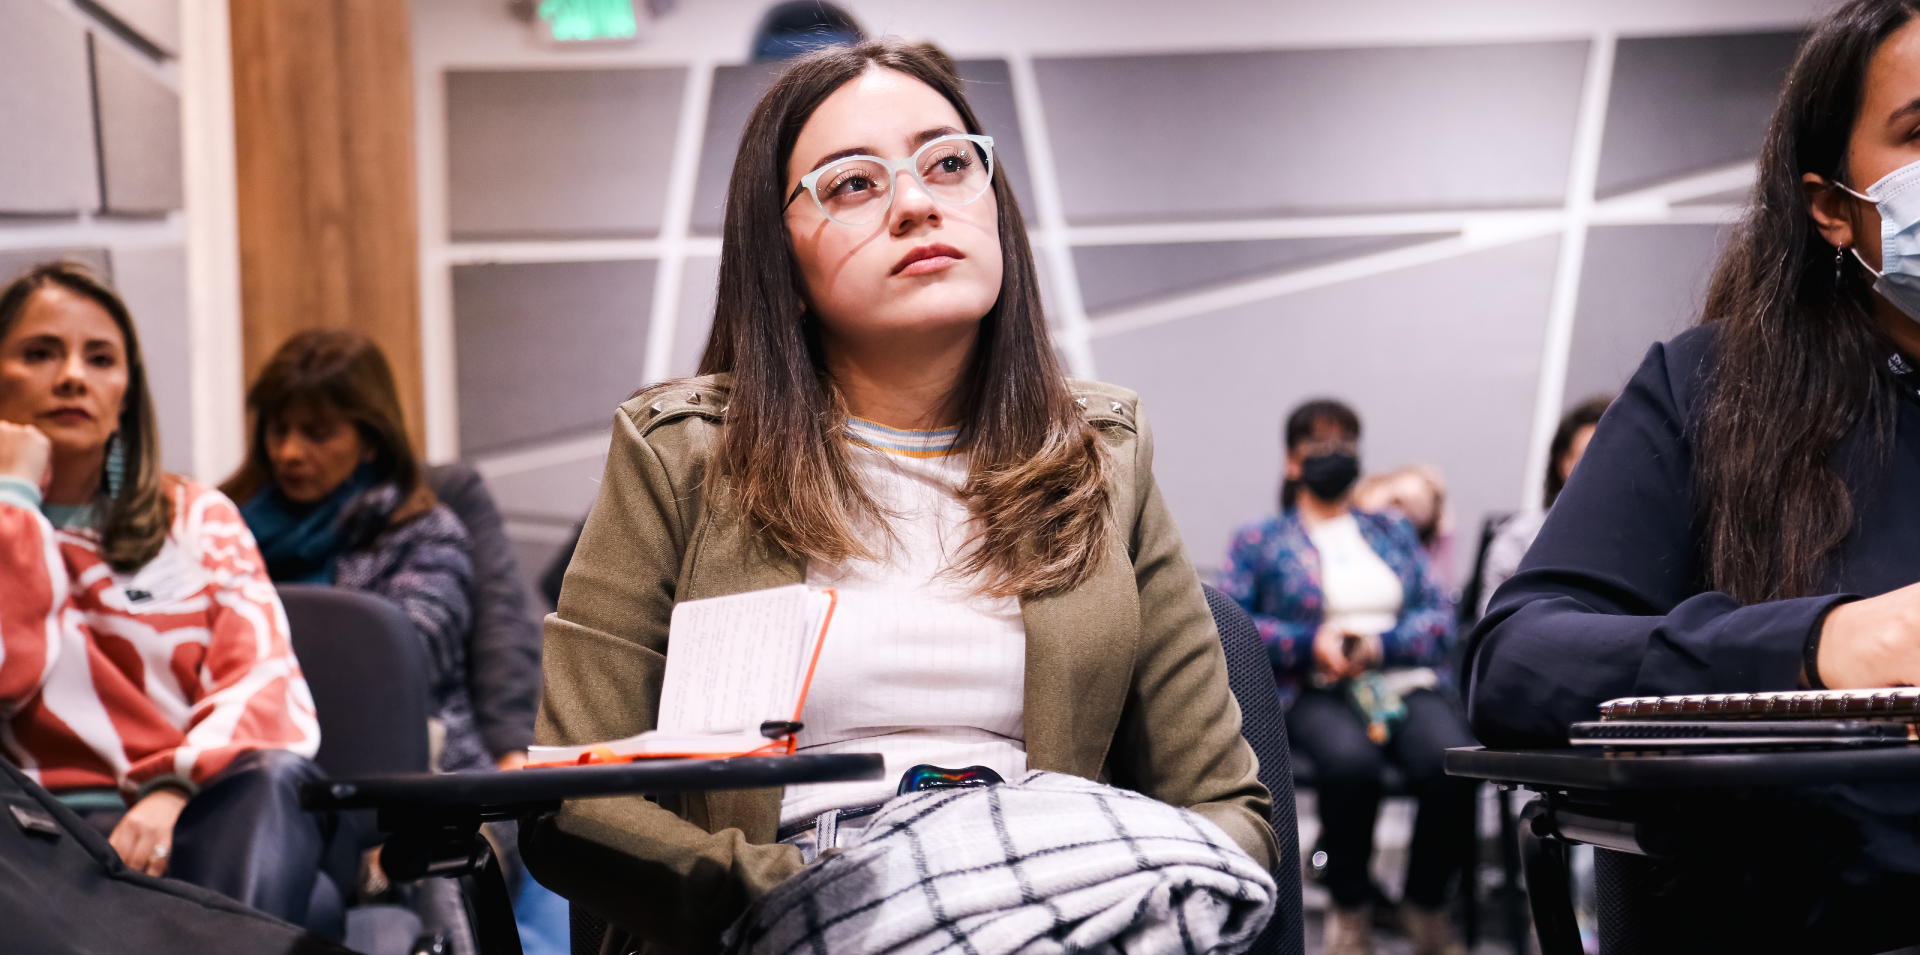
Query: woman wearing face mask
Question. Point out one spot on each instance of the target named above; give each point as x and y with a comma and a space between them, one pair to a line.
880, 411
1743, 519
1359, 633
333, 494
145, 671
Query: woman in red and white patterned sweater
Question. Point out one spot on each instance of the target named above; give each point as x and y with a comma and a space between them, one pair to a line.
146, 675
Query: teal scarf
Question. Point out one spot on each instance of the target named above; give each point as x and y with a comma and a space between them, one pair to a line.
303, 542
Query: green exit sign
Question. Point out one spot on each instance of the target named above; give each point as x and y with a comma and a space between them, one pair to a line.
575, 21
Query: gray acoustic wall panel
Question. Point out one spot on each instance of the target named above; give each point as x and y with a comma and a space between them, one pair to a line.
546, 350
139, 134
1689, 104
699, 286
14, 262
47, 165
558, 494
1640, 285
1440, 360
736, 90
1225, 135
155, 21
560, 153
153, 282
989, 88
1116, 276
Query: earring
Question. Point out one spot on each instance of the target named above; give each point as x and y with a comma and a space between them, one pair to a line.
1839, 262
116, 466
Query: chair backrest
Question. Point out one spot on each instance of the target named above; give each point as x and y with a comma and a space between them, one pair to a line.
1467, 612
367, 670
1264, 725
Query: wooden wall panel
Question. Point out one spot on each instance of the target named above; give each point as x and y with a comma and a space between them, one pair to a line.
323, 110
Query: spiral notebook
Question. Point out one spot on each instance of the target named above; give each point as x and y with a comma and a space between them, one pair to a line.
736, 680
1796, 718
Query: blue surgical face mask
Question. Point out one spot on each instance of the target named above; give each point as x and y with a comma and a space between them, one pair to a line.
1898, 198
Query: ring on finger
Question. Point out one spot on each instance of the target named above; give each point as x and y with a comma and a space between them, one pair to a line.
161, 852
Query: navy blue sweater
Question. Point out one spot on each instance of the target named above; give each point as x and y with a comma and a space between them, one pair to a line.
1611, 599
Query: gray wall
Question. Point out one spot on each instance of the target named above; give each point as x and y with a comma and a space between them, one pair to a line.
559, 153
570, 324
91, 170
1302, 132
1355, 185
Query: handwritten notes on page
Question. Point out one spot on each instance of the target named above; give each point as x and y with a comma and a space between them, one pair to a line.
733, 663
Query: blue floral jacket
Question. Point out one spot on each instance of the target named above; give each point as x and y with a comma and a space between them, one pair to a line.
1273, 570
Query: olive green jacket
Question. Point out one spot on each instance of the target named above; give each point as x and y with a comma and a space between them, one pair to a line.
1125, 679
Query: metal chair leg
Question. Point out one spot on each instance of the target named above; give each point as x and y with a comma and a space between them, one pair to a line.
1470, 879
1548, 884
449, 845
1512, 896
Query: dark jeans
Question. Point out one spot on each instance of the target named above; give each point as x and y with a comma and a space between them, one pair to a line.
246, 837
1330, 731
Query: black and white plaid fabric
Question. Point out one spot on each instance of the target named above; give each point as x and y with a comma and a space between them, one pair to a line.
1052, 863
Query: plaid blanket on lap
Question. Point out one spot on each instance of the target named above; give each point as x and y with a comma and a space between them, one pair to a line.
1052, 863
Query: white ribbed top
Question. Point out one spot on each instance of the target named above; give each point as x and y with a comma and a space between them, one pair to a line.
1360, 593
916, 667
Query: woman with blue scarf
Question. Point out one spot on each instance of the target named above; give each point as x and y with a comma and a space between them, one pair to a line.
333, 494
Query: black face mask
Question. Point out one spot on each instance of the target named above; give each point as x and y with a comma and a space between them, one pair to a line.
1329, 476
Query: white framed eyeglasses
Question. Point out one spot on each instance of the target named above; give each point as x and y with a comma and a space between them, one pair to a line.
857, 190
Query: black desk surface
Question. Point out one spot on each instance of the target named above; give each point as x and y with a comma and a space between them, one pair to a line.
534, 786
1590, 769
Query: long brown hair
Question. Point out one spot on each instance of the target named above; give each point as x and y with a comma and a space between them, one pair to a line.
136, 521
1797, 346
1037, 487
340, 371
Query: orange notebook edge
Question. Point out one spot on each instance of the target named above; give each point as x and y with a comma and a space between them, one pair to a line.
601, 755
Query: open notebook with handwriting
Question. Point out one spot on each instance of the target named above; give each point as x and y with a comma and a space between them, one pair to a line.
1755, 720
736, 681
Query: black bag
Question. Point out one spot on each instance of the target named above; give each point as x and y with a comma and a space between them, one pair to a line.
64, 890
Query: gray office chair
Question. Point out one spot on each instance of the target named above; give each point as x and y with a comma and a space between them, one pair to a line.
367, 671
366, 668
1264, 726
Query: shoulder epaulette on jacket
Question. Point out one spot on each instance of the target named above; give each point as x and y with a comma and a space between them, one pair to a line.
689, 397
1106, 405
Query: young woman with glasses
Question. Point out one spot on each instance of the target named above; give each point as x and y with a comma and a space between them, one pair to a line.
1744, 519
880, 410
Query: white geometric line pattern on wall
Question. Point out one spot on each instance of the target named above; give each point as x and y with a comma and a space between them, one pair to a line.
494, 467
1588, 136
1072, 320
1661, 204
675, 224
1711, 198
